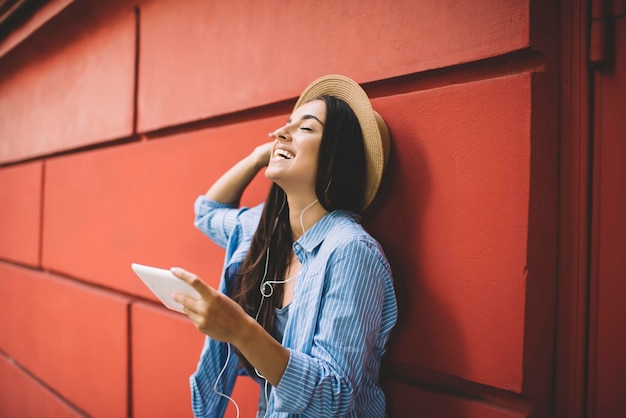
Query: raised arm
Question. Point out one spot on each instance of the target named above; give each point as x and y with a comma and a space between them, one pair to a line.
231, 185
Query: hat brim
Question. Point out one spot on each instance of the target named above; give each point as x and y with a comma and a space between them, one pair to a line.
375, 132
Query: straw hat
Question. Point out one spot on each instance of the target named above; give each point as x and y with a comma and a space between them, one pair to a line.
375, 132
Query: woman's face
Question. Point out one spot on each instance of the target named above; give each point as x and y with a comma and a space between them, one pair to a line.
293, 164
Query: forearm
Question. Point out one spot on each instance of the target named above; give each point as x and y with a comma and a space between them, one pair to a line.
222, 319
231, 185
266, 354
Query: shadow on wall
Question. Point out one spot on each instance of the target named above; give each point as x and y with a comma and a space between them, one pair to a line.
427, 339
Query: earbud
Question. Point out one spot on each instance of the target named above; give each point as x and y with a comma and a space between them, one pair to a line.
266, 293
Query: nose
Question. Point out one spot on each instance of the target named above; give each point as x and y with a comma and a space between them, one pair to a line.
281, 134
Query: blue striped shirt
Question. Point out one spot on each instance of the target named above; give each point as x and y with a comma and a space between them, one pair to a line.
342, 312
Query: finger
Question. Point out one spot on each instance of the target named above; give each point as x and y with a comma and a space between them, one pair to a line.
194, 281
187, 301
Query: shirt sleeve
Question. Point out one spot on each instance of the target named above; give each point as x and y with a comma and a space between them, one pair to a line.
324, 382
215, 220
213, 380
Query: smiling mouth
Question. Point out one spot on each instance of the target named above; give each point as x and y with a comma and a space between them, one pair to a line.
283, 154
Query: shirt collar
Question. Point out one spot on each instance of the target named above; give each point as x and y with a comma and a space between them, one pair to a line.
315, 235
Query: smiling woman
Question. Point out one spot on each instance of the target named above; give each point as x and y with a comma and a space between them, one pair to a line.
306, 299
293, 163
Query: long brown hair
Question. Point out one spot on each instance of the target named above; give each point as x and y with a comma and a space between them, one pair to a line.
339, 185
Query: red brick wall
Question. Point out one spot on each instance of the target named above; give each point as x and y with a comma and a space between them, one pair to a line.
115, 116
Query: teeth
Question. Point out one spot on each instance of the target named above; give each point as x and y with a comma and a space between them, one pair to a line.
281, 153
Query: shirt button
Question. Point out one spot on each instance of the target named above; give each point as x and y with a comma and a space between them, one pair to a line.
297, 247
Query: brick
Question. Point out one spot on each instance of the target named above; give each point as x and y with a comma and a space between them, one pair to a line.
70, 84
193, 65
134, 203
165, 351
73, 337
408, 401
453, 216
22, 396
20, 212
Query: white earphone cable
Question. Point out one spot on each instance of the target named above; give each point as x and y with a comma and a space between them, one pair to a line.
269, 284
219, 376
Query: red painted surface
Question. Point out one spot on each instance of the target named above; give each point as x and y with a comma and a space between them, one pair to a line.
160, 368
608, 365
20, 213
570, 368
408, 402
134, 203
80, 94
71, 336
40, 17
460, 172
21, 396
453, 213
268, 51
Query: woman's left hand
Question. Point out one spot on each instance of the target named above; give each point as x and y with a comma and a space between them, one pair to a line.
222, 319
214, 313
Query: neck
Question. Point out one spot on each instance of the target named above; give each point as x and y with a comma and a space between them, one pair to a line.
303, 215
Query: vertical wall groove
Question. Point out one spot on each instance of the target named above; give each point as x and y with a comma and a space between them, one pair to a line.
42, 192
137, 60
130, 360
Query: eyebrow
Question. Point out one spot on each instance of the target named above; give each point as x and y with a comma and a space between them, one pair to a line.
307, 116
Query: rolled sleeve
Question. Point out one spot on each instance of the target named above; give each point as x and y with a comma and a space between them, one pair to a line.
214, 219
295, 386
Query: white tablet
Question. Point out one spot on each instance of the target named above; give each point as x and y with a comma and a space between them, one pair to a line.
164, 285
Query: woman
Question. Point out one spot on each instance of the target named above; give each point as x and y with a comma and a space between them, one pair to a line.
306, 301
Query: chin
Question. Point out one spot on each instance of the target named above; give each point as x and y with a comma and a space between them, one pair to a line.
269, 174
272, 176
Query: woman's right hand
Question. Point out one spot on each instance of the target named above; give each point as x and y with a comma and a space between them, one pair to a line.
262, 154
231, 185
